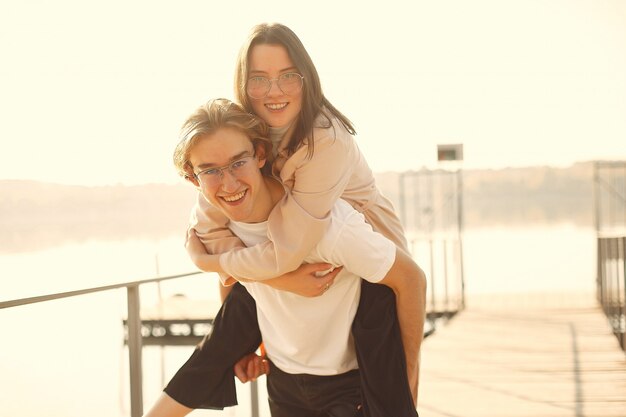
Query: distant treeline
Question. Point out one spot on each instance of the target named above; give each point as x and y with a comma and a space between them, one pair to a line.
530, 195
36, 215
518, 196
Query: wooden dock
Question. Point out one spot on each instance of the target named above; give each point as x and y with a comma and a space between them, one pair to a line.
546, 355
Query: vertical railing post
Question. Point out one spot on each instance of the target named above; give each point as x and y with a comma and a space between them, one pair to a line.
254, 399
596, 218
134, 351
615, 295
459, 195
602, 273
599, 261
622, 317
433, 300
402, 201
445, 276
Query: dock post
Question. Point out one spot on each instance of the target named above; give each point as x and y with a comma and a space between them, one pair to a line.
134, 351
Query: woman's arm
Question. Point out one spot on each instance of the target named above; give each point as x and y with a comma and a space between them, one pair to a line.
308, 280
296, 223
209, 227
300, 219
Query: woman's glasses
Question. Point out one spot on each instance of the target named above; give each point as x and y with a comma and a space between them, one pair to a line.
289, 83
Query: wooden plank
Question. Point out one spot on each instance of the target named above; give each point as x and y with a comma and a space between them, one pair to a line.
539, 355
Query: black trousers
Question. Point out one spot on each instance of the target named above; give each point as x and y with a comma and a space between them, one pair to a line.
304, 395
207, 379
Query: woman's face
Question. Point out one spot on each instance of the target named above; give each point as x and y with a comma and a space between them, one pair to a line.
276, 108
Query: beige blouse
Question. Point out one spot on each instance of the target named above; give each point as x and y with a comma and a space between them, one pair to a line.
337, 169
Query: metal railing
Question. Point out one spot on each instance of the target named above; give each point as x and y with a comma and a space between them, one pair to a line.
441, 258
430, 204
610, 220
134, 327
612, 283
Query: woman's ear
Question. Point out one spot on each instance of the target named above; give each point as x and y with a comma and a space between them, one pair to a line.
261, 155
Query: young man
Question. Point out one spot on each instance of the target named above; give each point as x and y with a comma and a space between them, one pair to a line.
308, 340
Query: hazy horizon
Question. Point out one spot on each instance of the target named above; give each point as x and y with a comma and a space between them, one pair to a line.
444, 165
37, 215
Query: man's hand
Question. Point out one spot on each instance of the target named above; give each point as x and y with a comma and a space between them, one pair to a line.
250, 367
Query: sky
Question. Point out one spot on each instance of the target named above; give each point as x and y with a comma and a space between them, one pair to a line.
94, 93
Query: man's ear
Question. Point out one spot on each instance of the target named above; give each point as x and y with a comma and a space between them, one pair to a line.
190, 176
192, 179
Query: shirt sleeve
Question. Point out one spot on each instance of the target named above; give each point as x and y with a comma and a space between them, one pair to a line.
300, 219
359, 249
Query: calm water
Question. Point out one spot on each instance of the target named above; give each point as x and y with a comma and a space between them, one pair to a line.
67, 358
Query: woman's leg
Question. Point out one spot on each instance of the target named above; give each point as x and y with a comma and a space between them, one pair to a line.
207, 379
380, 354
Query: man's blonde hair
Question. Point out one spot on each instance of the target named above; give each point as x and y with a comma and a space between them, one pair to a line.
209, 118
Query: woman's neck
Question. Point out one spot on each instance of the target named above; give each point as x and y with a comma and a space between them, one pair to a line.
279, 132
280, 136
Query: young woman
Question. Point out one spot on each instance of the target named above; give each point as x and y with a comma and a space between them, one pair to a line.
317, 158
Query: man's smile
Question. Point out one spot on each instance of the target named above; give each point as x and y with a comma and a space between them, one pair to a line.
234, 198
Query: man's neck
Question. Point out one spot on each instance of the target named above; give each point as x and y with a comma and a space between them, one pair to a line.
275, 192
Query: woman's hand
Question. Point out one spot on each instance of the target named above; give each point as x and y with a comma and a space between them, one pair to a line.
309, 280
198, 254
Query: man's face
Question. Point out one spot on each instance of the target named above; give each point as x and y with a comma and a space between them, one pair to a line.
239, 190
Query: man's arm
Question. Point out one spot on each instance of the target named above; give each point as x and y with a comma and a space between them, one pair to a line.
408, 282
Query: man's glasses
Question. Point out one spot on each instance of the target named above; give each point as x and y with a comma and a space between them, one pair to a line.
289, 83
213, 176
